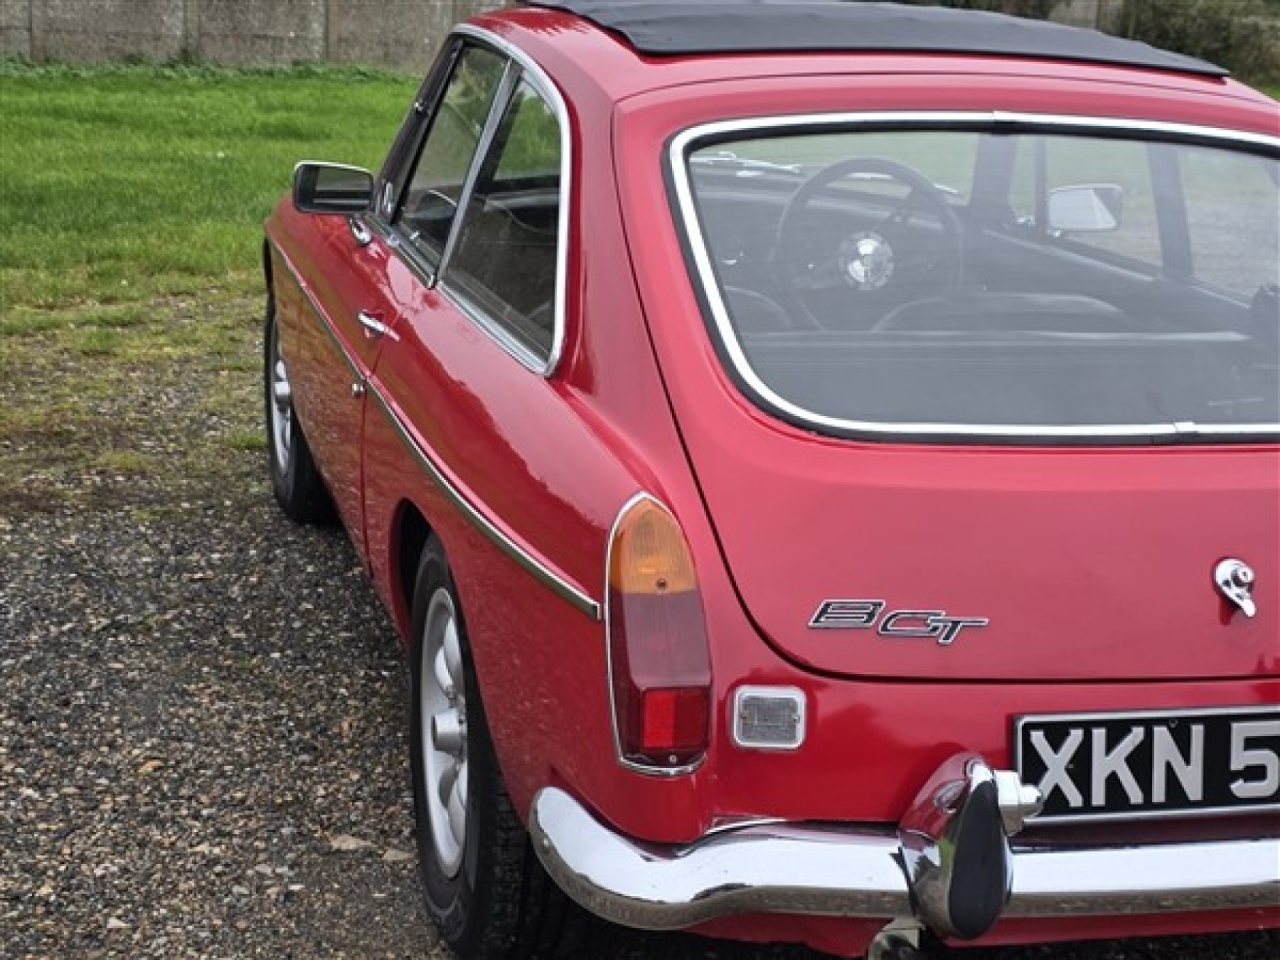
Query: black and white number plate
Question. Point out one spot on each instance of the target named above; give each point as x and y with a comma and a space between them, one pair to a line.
1160, 763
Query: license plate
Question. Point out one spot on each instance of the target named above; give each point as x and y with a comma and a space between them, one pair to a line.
1098, 766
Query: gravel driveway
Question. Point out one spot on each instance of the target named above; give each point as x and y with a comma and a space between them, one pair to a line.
202, 710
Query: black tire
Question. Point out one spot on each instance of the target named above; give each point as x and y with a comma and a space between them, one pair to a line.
295, 481
488, 896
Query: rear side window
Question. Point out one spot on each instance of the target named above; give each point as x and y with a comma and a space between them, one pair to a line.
1050, 166
1233, 223
506, 260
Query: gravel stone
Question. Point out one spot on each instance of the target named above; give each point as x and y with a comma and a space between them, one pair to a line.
189, 709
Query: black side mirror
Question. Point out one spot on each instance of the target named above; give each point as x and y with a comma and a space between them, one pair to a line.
332, 188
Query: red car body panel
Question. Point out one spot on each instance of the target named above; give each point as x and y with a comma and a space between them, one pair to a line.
1091, 564
329, 357
1017, 536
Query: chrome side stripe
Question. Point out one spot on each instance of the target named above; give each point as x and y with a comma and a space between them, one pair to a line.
554, 581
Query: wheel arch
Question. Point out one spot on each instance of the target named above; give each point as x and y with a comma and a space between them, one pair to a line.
411, 532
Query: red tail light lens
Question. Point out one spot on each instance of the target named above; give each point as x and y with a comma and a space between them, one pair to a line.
659, 666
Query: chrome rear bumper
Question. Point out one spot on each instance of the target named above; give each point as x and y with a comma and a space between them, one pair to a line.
859, 872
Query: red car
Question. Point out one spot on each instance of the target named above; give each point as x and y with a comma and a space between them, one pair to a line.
823, 460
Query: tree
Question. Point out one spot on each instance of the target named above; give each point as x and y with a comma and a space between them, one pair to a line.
1241, 35
1038, 9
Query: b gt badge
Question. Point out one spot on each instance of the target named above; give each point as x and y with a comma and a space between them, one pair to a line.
894, 624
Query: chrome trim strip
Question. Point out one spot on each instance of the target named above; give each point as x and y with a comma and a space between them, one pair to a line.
687, 217
608, 651
557, 583
525, 356
854, 871
349, 167
547, 89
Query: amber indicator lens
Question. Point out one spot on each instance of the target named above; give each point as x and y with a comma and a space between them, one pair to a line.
659, 664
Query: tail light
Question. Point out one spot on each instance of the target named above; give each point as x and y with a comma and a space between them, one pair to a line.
659, 665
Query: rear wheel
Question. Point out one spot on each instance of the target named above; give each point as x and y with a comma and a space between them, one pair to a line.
295, 481
482, 883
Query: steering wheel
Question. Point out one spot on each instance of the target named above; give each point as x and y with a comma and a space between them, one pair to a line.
875, 263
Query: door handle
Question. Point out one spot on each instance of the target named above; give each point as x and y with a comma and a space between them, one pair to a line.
372, 323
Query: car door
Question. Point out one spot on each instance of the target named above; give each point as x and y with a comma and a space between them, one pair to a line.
476, 224
364, 274
334, 347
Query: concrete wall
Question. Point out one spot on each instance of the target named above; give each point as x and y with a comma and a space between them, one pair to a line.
393, 33
402, 34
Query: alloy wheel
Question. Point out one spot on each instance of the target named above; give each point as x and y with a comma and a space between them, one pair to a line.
281, 406
443, 715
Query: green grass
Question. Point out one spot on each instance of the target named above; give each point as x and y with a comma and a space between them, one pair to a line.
131, 208
123, 184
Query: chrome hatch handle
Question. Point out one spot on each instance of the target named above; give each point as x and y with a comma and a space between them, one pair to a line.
1234, 579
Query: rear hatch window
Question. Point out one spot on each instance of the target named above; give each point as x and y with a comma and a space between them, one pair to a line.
944, 279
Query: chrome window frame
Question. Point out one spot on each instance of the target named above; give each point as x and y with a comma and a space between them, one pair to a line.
677, 160
544, 366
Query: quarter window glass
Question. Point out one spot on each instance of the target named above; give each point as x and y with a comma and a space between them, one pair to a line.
1231, 214
506, 256
431, 198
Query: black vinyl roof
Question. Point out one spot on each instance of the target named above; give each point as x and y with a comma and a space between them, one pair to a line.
679, 27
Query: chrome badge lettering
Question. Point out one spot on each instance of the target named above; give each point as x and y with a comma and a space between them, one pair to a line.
894, 624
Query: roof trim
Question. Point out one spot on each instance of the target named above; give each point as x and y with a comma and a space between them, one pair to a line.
661, 28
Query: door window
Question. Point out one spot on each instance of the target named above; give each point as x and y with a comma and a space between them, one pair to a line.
430, 200
1050, 165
